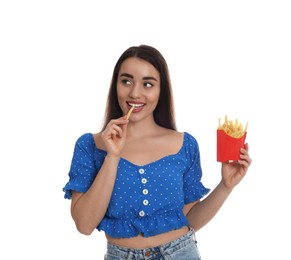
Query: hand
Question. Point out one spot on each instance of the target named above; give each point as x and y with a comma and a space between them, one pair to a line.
114, 136
234, 172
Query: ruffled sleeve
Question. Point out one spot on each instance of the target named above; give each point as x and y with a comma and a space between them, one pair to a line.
82, 171
193, 187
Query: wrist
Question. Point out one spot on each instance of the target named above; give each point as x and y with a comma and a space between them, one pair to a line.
112, 158
225, 188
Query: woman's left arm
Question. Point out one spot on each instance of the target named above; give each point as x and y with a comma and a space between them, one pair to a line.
201, 212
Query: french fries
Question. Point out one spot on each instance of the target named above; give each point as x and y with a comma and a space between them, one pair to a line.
129, 112
233, 129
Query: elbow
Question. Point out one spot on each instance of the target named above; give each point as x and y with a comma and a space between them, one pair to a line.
85, 232
84, 229
84, 226
196, 228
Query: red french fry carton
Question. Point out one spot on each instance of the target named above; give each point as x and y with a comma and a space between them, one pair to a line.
228, 148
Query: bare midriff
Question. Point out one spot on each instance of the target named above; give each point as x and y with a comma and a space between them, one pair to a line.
141, 242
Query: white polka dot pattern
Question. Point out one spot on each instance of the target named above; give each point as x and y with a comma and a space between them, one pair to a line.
146, 199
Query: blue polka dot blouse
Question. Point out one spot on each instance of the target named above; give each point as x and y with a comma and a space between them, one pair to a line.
146, 199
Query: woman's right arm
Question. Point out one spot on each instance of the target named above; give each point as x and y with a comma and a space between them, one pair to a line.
89, 208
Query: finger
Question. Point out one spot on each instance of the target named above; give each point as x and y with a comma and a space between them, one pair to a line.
246, 161
243, 163
114, 129
109, 133
245, 154
246, 146
119, 121
118, 130
245, 158
124, 120
244, 151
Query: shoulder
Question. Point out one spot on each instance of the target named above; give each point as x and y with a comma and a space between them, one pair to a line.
190, 143
85, 138
190, 138
85, 142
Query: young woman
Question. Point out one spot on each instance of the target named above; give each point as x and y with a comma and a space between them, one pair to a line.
139, 179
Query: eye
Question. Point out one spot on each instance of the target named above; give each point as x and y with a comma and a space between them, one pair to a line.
126, 82
148, 84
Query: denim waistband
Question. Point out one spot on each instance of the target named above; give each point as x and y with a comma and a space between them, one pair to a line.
148, 253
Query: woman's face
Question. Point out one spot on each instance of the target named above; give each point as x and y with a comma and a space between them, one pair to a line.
138, 85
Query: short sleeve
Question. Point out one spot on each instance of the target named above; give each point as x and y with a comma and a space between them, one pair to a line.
193, 187
82, 171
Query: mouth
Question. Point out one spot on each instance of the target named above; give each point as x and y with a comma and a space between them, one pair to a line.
138, 106
135, 104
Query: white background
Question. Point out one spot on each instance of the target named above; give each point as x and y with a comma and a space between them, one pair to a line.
225, 58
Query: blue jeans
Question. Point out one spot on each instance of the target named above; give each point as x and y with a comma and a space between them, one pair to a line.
182, 248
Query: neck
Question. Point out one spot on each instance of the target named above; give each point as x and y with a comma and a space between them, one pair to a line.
142, 128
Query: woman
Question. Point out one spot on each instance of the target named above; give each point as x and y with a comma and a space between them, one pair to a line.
139, 179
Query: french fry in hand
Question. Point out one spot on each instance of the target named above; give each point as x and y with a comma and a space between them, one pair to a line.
129, 112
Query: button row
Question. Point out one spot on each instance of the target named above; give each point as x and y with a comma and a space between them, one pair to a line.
144, 192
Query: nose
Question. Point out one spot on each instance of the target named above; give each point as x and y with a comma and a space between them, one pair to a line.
135, 91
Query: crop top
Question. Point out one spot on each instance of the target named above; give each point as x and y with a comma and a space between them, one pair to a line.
146, 199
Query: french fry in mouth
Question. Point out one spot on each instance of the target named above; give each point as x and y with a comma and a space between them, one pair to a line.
129, 112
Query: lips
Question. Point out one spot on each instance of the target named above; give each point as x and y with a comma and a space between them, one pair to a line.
138, 106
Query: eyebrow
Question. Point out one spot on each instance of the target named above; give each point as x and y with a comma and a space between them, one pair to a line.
144, 78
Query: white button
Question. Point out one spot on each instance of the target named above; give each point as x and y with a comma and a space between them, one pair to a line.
141, 213
144, 181
145, 192
141, 171
145, 202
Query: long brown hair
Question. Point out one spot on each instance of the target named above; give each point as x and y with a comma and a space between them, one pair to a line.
164, 111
